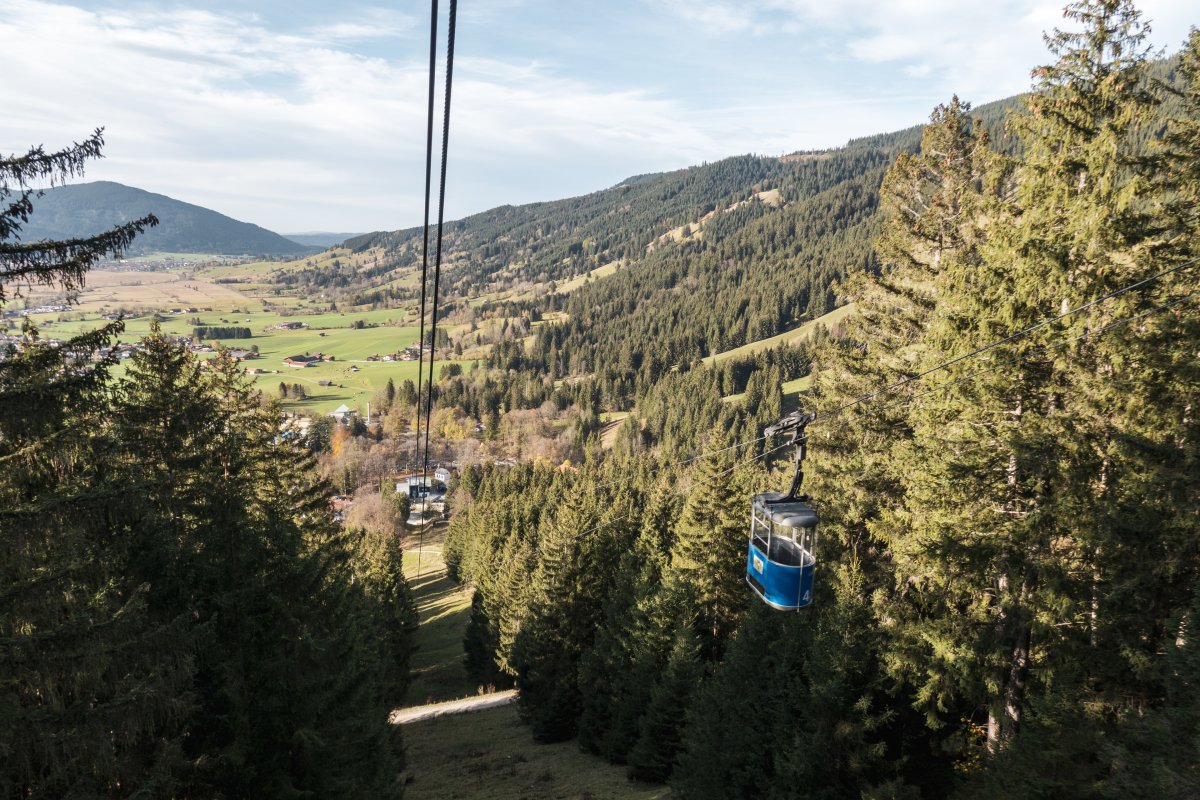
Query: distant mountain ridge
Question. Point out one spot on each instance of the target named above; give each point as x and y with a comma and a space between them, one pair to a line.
321, 238
85, 209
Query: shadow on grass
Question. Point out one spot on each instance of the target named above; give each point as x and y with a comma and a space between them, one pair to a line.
444, 608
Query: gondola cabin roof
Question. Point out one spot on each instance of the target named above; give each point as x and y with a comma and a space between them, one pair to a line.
793, 514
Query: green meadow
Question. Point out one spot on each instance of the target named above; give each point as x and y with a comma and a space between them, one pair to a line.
354, 379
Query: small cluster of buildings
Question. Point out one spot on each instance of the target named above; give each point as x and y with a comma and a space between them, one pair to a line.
410, 353
56, 308
307, 360
290, 326
430, 487
340, 505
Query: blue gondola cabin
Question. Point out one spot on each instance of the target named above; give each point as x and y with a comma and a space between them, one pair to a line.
781, 560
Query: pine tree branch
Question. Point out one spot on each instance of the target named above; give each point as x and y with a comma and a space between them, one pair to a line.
65, 262
53, 167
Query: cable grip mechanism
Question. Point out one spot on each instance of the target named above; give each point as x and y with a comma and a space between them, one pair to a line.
796, 422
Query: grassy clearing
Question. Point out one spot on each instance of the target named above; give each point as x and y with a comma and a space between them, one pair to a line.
599, 272
612, 425
792, 389
771, 197
791, 392
444, 607
483, 753
829, 320
491, 754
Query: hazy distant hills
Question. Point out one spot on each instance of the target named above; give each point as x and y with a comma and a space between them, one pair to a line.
85, 209
321, 238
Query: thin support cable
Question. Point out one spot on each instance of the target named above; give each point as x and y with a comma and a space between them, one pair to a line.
437, 264
1010, 338
433, 17
691, 489
689, 460
1098, 332
945, 364
1040, 351
879, 409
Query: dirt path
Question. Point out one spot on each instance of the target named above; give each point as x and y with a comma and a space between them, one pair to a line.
403, 716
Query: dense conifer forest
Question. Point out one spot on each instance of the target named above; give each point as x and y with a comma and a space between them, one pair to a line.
179, 617
1004, 461
1009, 559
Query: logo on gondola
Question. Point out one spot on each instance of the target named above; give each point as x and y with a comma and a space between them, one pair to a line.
758, 565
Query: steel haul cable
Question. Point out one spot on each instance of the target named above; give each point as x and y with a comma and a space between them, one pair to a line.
437, 268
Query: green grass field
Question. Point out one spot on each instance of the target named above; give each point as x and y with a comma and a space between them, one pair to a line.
491, 754
444, 608
483, 753
791, 337
566, 287
354, 380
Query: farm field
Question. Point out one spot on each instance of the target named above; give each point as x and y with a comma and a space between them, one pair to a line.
108, 290
354, 380
260, 269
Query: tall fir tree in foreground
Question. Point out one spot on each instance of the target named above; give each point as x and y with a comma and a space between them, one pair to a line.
178, 617
92, 691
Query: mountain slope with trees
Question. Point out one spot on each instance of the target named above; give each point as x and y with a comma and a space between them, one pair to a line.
1009, 561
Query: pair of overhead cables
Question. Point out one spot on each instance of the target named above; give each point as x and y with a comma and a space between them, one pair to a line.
437, 265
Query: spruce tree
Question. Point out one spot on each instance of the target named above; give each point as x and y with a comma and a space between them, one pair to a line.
300, 640
573, 575
93, 690
661, 728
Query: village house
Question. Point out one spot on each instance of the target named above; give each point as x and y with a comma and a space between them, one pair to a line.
343, 413
418, 487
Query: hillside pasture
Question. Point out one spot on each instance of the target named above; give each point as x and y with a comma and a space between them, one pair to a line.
829, 320
566, 287
492, 754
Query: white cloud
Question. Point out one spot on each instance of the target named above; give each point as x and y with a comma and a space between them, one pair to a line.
305, 130
719, 17
293, 132
981, 50
371, 23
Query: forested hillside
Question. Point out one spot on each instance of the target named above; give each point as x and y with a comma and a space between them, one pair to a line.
1004, 460
86, 209
1009, 558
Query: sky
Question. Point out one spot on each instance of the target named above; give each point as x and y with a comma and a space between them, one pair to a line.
310, 116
